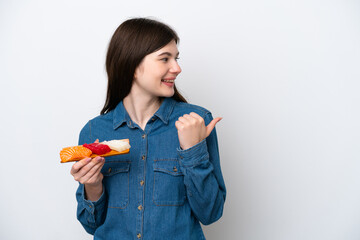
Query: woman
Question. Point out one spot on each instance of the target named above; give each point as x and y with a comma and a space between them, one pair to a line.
171, 180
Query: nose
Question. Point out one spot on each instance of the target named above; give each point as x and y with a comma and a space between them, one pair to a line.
175, 68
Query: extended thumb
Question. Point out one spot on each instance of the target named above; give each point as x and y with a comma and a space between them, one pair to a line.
211, 125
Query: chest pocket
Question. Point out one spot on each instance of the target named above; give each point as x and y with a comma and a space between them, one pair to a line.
116, 182
169, 187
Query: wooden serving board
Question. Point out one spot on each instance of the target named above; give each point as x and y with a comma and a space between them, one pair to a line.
111, 153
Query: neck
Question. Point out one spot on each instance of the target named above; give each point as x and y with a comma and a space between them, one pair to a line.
141, 109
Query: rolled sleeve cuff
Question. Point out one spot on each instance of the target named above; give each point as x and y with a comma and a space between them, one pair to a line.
90, 206
194, 155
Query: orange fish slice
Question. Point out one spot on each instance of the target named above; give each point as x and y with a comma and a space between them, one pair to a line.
75, 153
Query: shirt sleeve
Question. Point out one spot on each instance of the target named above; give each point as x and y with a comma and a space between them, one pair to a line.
90, 214
203, 178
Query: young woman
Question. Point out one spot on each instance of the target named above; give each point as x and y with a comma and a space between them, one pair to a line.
171, 180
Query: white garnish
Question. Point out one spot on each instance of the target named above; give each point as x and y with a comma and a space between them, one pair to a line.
117, 145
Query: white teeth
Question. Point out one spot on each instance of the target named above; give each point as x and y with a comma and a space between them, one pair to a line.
168, 81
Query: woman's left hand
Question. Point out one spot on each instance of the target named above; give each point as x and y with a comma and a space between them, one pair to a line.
192, 130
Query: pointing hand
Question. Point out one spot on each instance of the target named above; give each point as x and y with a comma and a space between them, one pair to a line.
192, 130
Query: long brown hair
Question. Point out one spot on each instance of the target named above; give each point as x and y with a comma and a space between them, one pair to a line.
130, 43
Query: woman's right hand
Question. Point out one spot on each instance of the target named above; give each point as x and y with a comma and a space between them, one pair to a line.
88, 172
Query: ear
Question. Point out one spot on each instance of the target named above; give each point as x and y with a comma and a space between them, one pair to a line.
139, 70
136, 73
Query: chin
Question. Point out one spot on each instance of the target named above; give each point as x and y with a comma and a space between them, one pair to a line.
168, 94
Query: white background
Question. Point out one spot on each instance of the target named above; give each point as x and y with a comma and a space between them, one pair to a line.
284, 75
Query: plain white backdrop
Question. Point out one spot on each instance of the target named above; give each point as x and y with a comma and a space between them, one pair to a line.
284, 75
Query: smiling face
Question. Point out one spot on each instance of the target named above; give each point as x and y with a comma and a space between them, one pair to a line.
155, 75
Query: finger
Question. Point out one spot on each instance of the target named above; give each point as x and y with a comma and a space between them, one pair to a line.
93, 173
85, 169
183, 120
83, 173
195, 115
78, 165
100, 165
96, 175
179, 125
187, 116
192, 120
198, 118
95, 178
96, 141
211, 125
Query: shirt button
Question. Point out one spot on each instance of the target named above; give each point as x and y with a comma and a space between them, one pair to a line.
175, 169
140, 207
109, 170
142, 182
138, 235
143, 157
153, 119
143, 136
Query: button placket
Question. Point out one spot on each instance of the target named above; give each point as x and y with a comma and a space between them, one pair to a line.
141, 181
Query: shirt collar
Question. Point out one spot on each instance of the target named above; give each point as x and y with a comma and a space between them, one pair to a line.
119, 115
165, 109
164, 112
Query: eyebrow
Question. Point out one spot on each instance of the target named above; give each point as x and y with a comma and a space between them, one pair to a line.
167, 54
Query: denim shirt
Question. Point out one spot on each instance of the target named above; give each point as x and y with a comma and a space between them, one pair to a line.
158, 190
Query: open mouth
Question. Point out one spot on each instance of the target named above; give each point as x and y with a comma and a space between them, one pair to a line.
168, 80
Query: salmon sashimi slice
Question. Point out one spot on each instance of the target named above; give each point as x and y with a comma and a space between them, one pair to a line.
74, 153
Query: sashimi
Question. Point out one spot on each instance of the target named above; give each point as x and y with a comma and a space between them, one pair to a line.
74, 153
92, 150
98, 148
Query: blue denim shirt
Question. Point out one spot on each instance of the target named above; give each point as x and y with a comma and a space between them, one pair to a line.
157, 191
